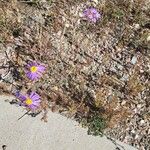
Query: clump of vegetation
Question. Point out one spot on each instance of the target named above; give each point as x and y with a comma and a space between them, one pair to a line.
96, 125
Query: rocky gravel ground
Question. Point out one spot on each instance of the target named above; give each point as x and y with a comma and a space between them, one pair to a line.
97, 69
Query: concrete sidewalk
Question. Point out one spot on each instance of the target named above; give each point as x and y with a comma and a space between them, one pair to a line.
59, 133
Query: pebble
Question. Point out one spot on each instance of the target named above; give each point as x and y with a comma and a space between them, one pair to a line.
123, 103
136, 136
134, 60
125, 77
136, 26
148, 38
142, 122
139, 106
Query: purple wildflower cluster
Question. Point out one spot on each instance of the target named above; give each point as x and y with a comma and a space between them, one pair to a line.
92, 14
35, 70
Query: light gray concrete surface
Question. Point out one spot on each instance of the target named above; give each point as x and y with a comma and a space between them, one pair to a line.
60, 133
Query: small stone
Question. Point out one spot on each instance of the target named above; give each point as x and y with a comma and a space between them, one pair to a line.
8, 77
95, 1
55, 88
148, 38
135, 110
142, 122
137, 26
125, 77
134, 60
139, 106
67, 25
119, 66
136, 136
133, 131
113, 69
123, 103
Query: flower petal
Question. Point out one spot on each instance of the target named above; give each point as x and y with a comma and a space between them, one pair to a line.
34, 96
20, 96
41, 68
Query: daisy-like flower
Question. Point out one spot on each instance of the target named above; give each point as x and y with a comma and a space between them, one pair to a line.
91, 14
34, 70
31, 100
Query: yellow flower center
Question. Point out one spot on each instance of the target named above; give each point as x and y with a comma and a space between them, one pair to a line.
33, 69
28, 101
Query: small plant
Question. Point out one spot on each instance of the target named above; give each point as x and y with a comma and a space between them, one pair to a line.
96, 125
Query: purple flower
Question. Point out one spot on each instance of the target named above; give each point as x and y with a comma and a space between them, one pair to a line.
34, 70
91, 14
31, 100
